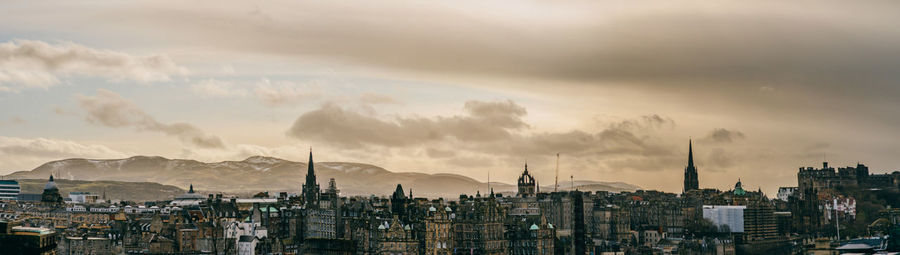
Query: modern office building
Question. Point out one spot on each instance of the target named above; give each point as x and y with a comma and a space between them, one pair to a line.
9, 189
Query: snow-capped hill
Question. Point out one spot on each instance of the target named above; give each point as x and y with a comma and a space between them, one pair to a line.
264, 160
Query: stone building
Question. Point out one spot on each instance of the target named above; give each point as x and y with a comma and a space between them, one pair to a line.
397, 238
478, 227
530, 235
439, 231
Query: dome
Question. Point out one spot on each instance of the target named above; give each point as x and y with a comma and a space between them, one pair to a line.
448, 209
534, 227
50, 184
432, 209
380, 227
739, 189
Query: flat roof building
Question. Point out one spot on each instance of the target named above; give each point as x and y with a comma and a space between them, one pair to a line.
9, 189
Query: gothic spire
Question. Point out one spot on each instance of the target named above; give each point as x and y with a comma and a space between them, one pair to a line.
310, 172
311, 187
690, 154
691, 181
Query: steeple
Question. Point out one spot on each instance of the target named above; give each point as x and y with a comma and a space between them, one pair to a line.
310, 169
690, 153
311, 187
191, 190
691, 181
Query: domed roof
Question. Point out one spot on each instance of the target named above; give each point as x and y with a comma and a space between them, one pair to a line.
448, 209
50, 184
534, 227
739, 189
432, 209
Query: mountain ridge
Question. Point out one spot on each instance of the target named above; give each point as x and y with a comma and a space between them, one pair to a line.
262, 173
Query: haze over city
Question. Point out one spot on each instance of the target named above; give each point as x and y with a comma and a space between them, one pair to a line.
617, 88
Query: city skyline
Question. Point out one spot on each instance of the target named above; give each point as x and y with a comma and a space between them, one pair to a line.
616, 88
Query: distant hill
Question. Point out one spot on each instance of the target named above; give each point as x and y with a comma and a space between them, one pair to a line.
115, 190
259, 173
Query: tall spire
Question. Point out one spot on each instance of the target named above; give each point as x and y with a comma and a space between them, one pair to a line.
310, 169
311, 187
691, 181
690, 153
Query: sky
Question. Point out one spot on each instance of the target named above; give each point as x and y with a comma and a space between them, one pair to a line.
617, 88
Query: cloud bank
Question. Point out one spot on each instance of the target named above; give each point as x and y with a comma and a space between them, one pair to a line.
112, 110
488, 130
37, 64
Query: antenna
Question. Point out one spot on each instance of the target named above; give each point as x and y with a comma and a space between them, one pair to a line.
572, 177
489, 179
556, 180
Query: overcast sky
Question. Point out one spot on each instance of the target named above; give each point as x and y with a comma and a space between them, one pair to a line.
616, 87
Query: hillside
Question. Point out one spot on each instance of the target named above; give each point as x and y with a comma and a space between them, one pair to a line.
270, 174
115, 190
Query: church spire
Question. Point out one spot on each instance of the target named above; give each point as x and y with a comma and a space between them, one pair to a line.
311, 187
691, 181
310, 170
690, 153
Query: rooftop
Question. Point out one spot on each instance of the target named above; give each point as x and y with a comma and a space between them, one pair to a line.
41, 231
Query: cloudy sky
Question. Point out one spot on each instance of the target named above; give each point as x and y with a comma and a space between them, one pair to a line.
616, 87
